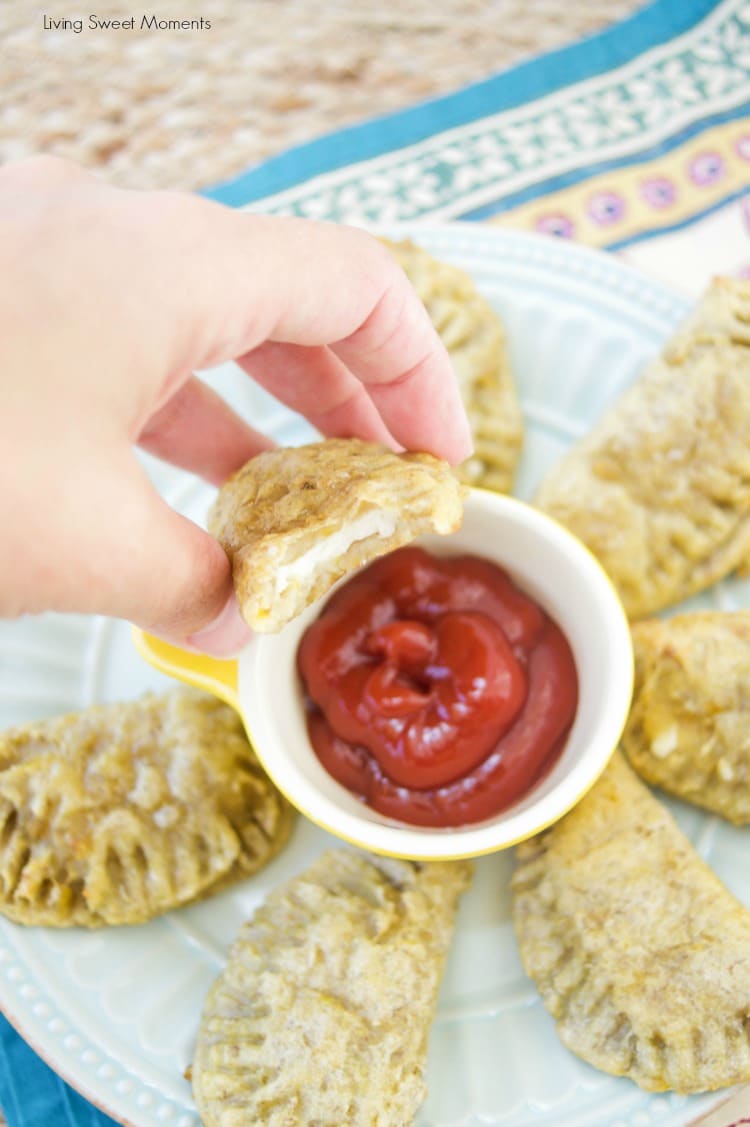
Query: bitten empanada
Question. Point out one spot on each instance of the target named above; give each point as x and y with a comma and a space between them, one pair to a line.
638, 950
475, 339
120, 812
296, 520
689, 725
323, 1012
660, 488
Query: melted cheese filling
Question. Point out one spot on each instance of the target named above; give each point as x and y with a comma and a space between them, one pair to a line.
301, 571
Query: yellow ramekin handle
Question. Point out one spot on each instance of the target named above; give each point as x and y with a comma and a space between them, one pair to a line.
215, 675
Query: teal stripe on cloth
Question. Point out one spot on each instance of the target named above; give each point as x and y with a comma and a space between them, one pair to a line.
32, 1095
657, 23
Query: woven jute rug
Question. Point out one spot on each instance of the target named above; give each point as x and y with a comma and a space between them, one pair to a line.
156, 106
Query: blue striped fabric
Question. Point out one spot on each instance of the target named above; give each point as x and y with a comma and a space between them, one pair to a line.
656, 23
32, 1095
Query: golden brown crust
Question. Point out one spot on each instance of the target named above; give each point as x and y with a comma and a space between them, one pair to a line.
121, 812
689, 726
323, 1011
660, 488
638, 950
475, 339
277, 517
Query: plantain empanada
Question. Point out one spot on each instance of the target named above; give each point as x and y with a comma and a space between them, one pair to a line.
323, 1012
475, 339
638, 950
294, 521
120, 812
660, 488
689, 725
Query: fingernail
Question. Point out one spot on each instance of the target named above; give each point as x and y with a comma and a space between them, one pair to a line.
461, 443
226, 636
467, 442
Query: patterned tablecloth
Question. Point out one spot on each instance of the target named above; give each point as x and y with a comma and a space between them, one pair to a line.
636, 141
617, 142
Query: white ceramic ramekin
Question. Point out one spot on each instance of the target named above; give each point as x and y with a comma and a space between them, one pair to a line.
549, 564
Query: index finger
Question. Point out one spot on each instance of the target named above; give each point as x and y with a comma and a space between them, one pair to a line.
409, 379
240, 279
345, 290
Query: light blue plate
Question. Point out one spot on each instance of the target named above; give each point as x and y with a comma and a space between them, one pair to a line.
115, 1012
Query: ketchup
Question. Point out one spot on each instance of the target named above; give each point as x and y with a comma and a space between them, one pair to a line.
436, 690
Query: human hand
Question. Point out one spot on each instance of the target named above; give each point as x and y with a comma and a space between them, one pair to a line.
109, 300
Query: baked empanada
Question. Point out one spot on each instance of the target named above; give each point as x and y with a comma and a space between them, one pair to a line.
638, 950
120, 812
323, 1012
475, 339
296, 520
660, 488
689, 725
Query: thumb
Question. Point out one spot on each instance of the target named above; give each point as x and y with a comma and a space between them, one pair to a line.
167, 575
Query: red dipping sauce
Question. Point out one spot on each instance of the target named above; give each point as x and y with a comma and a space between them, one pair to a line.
436, 690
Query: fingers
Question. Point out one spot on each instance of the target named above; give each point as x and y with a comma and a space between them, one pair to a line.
187, 284
165, 284
198, 431
315, 383
225, 636
224, 282
174, 580
346, 291
415, 390
107, 543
